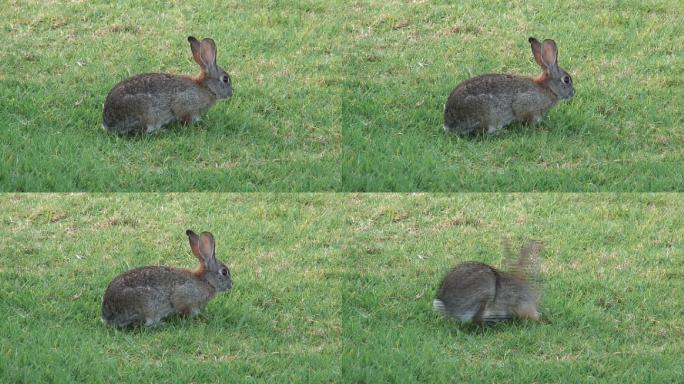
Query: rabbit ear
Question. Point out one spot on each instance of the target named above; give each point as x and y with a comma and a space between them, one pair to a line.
549, 53
208, 52
528, 260
509, 259
195, 47
194, 244
207, 248
537, 51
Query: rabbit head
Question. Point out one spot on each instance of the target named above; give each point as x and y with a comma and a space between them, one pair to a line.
211, 76
210, 269
554, 77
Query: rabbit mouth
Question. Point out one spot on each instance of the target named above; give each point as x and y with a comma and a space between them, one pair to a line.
567, 95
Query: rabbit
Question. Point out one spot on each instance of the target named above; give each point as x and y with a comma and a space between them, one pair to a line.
144, 296
480, 293
488, 103
145, 103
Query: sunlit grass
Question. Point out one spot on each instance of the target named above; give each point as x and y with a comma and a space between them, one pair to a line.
339, 287
278, 133
344, 96
621, 131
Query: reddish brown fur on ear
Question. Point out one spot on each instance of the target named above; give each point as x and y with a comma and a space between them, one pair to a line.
207, 246
208, 52
194, 244
549, 53
195, 47
536, 51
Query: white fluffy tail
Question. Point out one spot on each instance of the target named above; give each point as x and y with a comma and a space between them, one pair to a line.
438, 306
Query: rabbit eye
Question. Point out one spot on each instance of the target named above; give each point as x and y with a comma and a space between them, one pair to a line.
224, 78
566, 79
224, 272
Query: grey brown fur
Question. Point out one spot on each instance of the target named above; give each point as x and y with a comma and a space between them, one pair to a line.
145, 103
488, 103
480, 293
144, 296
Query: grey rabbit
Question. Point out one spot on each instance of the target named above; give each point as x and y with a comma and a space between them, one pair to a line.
488, 103
144, 296
480, 293
145, 103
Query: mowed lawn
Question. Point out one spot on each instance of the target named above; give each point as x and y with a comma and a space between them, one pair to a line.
279, 322
612, 274
345, 96
279, 132
623, 131
339, 287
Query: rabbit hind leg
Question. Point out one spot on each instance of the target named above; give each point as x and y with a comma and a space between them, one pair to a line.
479, 318
529, 108
152, 128
152, 321
187, 299
151, 312
153, 122
491, 122
182, 108
530, 118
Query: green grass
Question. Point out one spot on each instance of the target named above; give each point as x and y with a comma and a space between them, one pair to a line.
621, 132
338, 287
612, 275
344, 96
279, 322
279, 132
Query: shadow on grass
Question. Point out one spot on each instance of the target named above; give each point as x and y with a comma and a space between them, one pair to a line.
491, 327
234, 122
515, 129
184, 322
170, 130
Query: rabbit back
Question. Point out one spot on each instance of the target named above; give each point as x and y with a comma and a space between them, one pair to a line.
144, 296
144, 103
487, 103
466, 290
